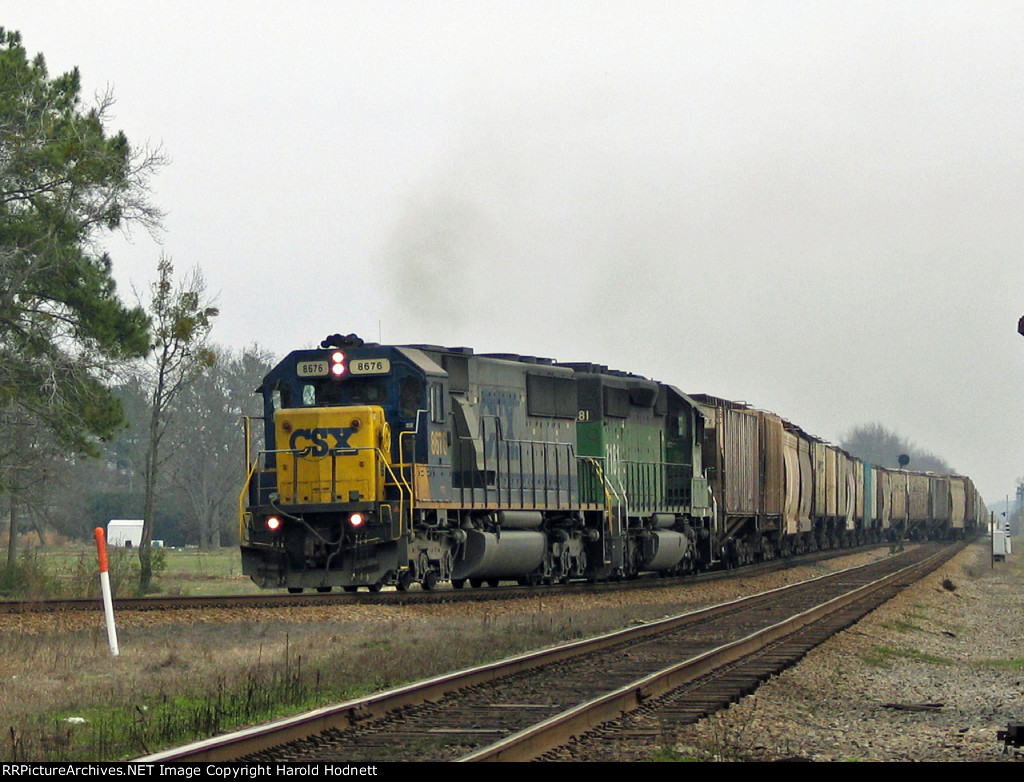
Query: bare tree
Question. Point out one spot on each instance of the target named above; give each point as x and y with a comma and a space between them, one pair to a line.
29, 454
877, 445
181, 319
208, 464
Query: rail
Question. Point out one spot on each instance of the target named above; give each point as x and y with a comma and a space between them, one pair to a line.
545, 735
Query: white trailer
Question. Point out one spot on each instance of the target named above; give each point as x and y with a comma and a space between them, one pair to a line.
125, 533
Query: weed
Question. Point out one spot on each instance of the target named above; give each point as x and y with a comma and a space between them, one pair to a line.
901, 626
1013, 664
881, 656
39, 576
668, 755
28, 578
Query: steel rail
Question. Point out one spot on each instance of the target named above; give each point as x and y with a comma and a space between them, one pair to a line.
259, 738
557, 730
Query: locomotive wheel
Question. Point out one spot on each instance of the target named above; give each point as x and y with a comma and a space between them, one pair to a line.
581, 564
492, 582
323, 590
458, 583
404, 581
429, 581
476, 583
376, 587
294, 590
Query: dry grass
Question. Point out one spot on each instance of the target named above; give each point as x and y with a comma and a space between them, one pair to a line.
183, 676
178, 682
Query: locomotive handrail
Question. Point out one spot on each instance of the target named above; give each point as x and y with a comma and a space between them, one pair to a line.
624, 513
621, 496
247, 430
479, 443
242, 497
648, 496
247, 486
250, 471
399, 482
609, 493
404, 489
410, 483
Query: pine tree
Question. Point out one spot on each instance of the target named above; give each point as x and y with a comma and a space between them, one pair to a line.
63, 183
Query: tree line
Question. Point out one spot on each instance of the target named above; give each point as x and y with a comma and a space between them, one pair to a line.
876, 444
107, 409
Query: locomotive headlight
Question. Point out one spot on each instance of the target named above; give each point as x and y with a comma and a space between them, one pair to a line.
357, 520
338, 363
273, 523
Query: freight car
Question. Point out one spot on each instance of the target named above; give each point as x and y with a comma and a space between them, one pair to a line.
393, 465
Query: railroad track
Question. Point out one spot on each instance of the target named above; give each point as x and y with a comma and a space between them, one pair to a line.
391, 597
560, 703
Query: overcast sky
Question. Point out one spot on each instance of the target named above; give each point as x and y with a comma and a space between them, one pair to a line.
812, 207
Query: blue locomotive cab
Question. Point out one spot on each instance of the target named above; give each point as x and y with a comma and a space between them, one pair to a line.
329, 500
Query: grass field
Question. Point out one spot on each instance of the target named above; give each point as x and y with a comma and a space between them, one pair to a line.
71, 571
191, 572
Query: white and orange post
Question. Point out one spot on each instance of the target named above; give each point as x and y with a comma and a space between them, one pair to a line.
108, 600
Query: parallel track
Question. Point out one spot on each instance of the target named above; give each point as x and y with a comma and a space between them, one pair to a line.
529, 706
391, 597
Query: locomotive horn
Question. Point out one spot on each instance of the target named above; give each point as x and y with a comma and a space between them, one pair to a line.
339, 341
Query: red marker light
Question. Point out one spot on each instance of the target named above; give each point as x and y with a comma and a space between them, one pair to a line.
356, 519
273, 523
338, 363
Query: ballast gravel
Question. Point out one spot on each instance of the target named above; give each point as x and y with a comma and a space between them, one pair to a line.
933, 675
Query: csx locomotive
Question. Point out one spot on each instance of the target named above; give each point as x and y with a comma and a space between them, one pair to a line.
394, 465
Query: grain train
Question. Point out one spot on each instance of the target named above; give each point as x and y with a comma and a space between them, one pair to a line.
394, 465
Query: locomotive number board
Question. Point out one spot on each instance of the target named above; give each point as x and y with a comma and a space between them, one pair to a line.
370, 366
311, 369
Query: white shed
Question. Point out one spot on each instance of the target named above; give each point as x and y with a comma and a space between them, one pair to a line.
126, 533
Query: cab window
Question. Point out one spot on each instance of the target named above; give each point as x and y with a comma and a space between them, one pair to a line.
411, 390
353, 391
436, 403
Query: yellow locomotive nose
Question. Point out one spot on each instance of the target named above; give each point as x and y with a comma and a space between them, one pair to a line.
331, 454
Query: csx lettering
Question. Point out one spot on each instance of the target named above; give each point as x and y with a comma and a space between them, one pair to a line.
320, 441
